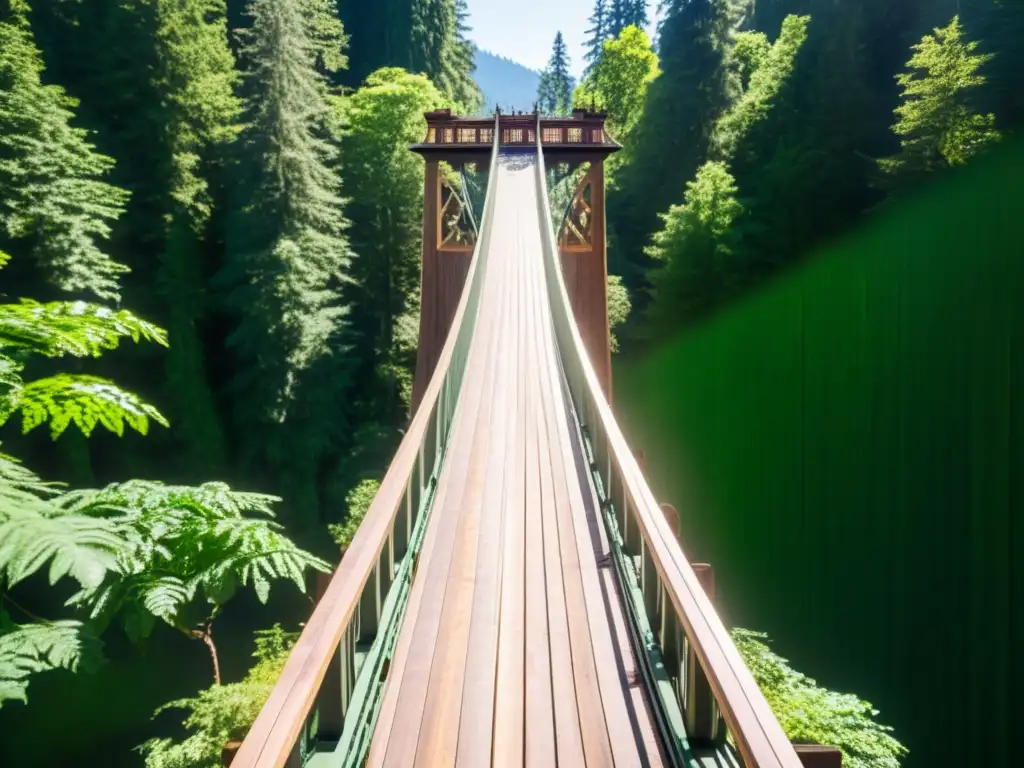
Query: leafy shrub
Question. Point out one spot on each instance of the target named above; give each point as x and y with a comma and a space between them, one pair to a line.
222, 713
358, 500
815, 715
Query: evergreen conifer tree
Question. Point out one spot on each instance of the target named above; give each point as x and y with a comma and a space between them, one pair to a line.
459, 59
554, 93
196, 77
626, 13
596, 35
54, 203
937, 127
287, 259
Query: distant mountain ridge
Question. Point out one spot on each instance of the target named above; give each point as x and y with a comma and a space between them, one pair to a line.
505, 83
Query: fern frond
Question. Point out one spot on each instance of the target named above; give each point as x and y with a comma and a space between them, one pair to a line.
85, 401
84, 548
32, 648
21, 487
77, 328
183, 543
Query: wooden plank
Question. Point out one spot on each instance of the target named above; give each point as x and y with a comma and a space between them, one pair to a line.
540, 732
399, 705
476, 723
567, 714
509, 706
440, 726
588, 693
403, 743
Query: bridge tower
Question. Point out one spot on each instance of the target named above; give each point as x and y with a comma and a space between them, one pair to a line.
449, 230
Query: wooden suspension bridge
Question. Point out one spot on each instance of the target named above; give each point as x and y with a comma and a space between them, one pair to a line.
515, 595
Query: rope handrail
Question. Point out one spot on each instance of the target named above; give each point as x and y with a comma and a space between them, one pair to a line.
307, 704
646, 534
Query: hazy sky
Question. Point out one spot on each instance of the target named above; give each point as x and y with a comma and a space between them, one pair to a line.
523, 30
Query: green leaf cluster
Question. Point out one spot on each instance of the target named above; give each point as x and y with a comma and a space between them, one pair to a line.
186, 552
811, 714
28, 649
358, 501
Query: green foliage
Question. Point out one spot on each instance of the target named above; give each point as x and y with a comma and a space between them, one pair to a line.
28, 649
358, 502
35, 534
672, 137
554, 93
815, 715
937, 127
749, 53
384, 117
187, 551
619, 307
76, 329
54, 204
597, 33
326, 33
287, 262
618, 82
221, 713
626, 13
769, 71
695, 247
195, 77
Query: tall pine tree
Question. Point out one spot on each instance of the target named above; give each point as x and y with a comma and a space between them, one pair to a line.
287, 259
596, 35
627, 13
937, 127
54, 203
458, 59
554, 92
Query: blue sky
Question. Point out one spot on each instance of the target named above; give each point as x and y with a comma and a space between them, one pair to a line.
523, 30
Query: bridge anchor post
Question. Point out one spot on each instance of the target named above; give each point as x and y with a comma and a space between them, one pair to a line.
582, 249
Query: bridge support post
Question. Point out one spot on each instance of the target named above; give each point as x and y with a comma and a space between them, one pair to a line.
583, 252
703, 720
447, 252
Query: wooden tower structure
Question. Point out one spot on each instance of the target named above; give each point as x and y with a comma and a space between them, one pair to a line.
449, 233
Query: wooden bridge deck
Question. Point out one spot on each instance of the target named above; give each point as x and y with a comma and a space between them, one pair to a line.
515, 649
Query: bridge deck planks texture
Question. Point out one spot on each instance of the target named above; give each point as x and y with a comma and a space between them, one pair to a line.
514, 650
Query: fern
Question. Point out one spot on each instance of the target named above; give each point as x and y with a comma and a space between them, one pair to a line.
70, 328
187, 551
32, 648
75, 328
86, 549
85, 401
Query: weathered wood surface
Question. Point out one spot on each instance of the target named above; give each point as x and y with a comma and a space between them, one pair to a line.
513, 650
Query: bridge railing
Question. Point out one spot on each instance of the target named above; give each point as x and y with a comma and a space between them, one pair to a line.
694, 671
328, 694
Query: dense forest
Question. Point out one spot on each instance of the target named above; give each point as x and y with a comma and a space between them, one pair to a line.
216, 196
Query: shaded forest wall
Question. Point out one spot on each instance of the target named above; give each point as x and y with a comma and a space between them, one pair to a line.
847, 448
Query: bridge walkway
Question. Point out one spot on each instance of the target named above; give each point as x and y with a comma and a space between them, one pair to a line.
515, 648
